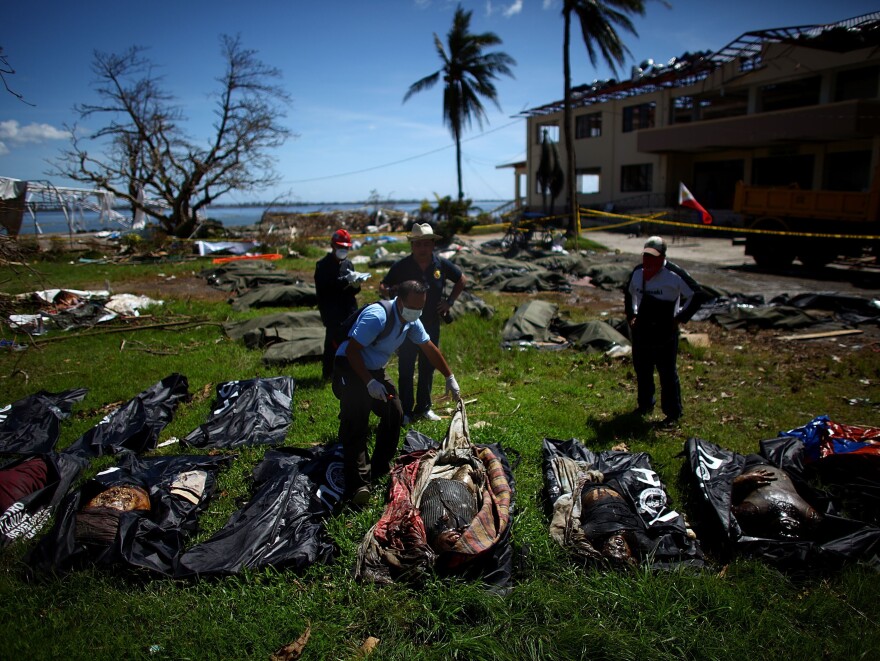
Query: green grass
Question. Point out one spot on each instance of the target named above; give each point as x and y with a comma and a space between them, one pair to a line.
556, 610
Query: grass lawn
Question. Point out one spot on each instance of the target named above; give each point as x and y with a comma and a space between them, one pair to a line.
743, 388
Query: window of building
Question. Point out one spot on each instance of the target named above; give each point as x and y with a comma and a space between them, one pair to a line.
718, 105
588, 180
640, 116
636, 178
847, 171
588, 126
782, 169
857, 84
552, 132
790, 94
682, 110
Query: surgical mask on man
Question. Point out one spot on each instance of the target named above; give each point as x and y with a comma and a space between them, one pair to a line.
409, 314
341, 253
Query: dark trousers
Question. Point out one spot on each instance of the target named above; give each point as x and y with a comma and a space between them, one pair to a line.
657, 347
329, 354
407, 356
355, 405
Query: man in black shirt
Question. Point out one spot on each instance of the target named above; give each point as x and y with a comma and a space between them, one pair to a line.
658, 297
423, 266
336, 286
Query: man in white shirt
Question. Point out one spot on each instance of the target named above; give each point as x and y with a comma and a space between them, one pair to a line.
659, 297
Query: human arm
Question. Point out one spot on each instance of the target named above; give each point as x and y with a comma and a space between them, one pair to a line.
444, 305
376, 389
435, 357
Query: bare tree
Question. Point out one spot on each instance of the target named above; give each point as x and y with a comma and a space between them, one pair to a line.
142, 145
7, 70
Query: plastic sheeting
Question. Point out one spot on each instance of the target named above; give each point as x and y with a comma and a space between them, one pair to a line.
179, 488
283, 523
32, 424
834, 542
135, 426
247, 412
659, 535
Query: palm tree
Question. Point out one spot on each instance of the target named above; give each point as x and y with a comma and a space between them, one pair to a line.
468, 74
599, 21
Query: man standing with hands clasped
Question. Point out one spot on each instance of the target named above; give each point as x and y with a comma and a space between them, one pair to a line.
360, 384
433, 271
659, 297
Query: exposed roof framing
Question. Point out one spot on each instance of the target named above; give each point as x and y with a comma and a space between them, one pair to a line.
848, 34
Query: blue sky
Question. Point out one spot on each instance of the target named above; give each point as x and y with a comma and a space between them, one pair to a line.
347, 65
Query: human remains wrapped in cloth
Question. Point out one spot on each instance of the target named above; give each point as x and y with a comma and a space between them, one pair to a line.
449, 510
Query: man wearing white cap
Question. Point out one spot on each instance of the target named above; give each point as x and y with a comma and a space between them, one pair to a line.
433, 271
659, 297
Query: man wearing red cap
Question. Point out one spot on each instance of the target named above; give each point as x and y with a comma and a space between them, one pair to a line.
336, 286
659, 297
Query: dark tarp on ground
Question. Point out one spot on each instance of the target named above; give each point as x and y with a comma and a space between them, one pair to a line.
512, 275
662, 532
238, 277
397, 548
146, 539
283, 523
276, 296
248, 412
30, 511
32, 424
844, 459
285, 336
537, 323
837, 541
136, 425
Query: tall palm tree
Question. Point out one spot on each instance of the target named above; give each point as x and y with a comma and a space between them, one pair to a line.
468, 74
599, 21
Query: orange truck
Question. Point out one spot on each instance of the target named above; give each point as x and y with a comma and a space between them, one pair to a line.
852, 218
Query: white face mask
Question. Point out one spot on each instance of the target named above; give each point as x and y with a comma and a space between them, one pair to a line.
410, 315
341, 253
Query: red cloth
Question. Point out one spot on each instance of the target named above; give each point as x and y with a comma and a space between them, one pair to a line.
20, 481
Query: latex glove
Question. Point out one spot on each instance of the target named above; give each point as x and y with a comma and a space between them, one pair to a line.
377, 390
453, 388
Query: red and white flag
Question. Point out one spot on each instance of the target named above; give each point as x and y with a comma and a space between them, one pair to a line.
686, 199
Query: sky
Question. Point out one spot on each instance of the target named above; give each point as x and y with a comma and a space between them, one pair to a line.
346, 65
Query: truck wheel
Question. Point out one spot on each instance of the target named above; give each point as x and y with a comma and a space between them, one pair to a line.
770, 252
816, 260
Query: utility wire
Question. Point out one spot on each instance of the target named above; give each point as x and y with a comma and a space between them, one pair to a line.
398, 162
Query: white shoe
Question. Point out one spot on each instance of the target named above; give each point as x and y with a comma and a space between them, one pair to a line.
431, 416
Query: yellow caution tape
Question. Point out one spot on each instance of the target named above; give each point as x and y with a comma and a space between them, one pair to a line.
654, 219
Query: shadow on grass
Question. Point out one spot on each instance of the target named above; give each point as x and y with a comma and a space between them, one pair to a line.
622, 426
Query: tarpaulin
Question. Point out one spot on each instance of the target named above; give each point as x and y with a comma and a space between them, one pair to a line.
276, 296
403, 544
784, 522
283, 523
136, 425
634, 508
844, 459
29, 490
32, 424
247, 412
178, 489
238, 277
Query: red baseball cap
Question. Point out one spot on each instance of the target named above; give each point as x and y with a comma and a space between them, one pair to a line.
341, 238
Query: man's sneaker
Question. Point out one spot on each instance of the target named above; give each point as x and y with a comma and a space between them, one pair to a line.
361, 497
431, 416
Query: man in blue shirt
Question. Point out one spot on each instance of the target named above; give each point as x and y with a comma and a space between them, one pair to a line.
433, 271
360, 384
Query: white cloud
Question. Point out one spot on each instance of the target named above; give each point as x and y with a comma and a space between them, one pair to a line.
514, 9
12, 131
3, 149
549, 3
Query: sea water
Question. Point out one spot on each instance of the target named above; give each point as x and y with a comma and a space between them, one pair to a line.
51, 222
